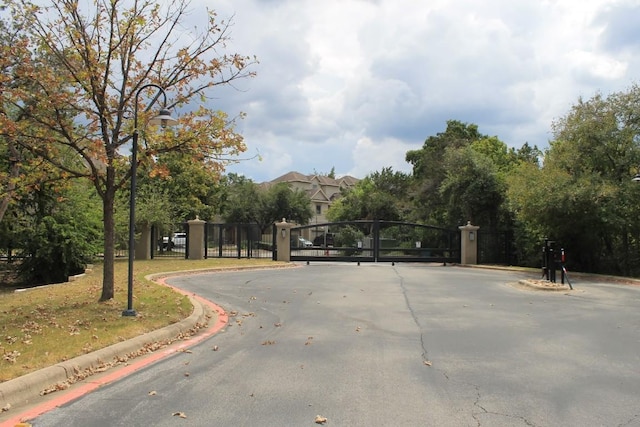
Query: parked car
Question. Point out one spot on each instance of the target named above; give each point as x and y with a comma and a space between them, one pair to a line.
300, 242
178, 240
323, 240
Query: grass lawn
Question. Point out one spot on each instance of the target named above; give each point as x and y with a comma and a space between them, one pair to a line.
43, 326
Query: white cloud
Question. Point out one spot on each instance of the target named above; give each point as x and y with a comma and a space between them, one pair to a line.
369, 156
354, 84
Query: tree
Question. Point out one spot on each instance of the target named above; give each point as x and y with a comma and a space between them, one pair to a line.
582, 196
85, 68
248, 202
430, 171
61, 235
20, 171
192, 191
379, 195
472, 188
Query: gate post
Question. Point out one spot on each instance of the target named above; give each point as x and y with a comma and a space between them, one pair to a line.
196, 239
283, 236
143, 244
468, 243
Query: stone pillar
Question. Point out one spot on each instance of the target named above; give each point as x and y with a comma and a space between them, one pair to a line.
196, 238
143, 244
468, 244
283, 240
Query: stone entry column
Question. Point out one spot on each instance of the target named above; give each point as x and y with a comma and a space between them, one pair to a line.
283, 240
468, 243
143, 244
196, 238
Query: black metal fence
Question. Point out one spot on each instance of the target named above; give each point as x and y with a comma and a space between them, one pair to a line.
353, 241
166, 244
496, 247
238, 241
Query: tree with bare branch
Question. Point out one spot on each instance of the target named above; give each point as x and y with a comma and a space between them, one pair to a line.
81, 70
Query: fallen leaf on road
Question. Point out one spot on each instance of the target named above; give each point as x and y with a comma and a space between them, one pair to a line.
320, 419
427, 362
215, 348
179, 414
153, 393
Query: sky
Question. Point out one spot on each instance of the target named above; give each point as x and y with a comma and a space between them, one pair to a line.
352, 85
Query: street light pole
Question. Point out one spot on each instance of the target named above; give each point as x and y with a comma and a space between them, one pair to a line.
163, 119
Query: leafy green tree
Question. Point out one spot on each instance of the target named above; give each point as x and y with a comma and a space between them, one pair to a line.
459, 175
472, 189
191, 189
248, 202
429, 171
60, 234
380, 195
582, 196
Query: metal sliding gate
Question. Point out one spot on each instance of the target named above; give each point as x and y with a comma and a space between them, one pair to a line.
375, 241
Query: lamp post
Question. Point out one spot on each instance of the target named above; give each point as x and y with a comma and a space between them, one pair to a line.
163, 119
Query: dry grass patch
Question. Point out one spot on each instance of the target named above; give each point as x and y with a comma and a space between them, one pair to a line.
43, 326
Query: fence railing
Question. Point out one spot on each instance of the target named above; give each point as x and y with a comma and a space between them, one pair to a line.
238, 241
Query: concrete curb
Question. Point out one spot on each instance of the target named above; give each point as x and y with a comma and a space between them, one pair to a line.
28, 388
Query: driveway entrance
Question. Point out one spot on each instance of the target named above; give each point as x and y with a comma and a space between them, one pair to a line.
376, 241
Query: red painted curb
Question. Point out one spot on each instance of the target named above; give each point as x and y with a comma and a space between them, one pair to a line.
120, 372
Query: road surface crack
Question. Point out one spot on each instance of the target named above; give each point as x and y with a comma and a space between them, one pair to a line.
425, 353
484, 411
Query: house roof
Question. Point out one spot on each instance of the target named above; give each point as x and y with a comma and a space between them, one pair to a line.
318, 195
292, 177
323, 180
348, 180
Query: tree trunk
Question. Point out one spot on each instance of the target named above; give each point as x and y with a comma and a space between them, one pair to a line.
108, 277
14, 172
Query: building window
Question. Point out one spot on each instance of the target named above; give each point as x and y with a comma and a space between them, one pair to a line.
318, 209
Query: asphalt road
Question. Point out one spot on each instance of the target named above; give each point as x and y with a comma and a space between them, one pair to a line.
382, 345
